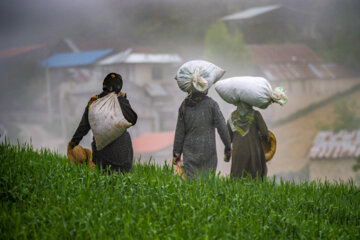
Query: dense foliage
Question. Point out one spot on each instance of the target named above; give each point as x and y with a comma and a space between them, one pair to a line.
43, 196
229, 49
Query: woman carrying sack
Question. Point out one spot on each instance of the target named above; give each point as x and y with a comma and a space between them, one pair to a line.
247, 131
117, 155
246, 126
198, 117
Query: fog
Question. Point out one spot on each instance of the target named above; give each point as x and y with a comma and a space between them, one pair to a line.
308, 47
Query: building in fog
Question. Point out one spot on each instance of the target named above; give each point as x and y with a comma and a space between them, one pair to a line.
304, 76
152, 70
148, 75
281, 22
332, 155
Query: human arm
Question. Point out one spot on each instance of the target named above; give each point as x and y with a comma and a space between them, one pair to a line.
82, 129
230, 131
179, 135
129, 114
261, 126
220, 124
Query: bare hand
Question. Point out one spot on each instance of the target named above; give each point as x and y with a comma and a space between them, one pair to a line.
176, 159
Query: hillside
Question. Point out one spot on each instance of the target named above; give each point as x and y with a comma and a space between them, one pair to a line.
44, 196
295, 137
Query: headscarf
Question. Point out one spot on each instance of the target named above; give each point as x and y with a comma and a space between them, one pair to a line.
242, 118
195, 97
112, 83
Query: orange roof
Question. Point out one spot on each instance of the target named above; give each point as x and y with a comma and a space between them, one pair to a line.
12, 52
152, 142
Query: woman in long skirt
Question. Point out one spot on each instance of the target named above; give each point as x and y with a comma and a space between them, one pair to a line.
118, 155
247, 129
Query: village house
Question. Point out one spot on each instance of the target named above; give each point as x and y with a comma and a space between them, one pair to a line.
304, 76
153, 71
148, 76
332, 155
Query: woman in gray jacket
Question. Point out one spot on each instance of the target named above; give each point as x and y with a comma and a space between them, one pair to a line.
198, 117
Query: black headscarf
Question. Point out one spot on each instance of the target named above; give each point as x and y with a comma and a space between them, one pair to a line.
112, 83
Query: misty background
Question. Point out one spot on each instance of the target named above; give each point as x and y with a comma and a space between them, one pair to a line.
310, 47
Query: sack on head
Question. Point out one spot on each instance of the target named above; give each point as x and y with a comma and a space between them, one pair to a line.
106, 120
255, 91
198, 75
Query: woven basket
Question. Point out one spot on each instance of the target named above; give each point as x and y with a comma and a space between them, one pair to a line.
269, 147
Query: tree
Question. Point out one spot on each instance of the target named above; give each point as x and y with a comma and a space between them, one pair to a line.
224, 47
346, 117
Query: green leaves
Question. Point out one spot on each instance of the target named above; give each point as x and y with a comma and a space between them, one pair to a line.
44, 196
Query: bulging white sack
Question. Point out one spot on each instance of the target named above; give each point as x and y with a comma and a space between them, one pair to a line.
106, 120
255, 91
198, 75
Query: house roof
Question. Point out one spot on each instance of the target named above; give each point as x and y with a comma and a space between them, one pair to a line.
75, 58
153, 142
12, 52
153, 58
335, 145
155, 90
119, 57
251, 12
283, 53
294, 61
134, 56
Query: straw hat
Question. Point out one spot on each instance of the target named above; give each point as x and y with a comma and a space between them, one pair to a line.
269, 147
78, 154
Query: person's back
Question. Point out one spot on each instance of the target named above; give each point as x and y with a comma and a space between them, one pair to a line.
248, 155
195, 133
118, 155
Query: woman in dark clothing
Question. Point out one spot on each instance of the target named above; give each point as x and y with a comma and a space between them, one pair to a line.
247, 129
118, 155
198, 117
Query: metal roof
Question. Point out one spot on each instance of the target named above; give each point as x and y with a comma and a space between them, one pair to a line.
335, 145
153, 142
152, 58
251, 12
155, 90
283, 53
116, 58
75, 58
294, 61
130, 56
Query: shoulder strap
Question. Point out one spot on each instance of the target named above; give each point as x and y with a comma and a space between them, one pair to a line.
92, 99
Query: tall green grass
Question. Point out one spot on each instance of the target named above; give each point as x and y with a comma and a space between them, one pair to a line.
43, 196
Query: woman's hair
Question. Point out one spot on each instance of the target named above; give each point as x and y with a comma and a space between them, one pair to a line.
112, 82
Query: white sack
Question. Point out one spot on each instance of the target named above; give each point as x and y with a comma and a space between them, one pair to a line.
106, 120
255, 91
198, 75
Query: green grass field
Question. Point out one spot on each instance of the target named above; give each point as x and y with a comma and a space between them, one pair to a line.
43, 196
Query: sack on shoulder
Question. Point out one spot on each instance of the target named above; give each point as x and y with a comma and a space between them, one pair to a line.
106, 120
